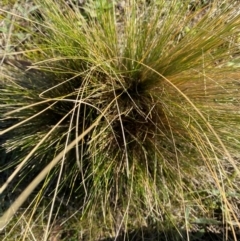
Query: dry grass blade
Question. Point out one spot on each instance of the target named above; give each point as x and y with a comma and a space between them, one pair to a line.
128, 114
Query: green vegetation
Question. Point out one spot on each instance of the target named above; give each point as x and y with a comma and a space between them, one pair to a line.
121, 119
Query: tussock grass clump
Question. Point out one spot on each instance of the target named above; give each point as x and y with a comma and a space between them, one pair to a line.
135, 115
